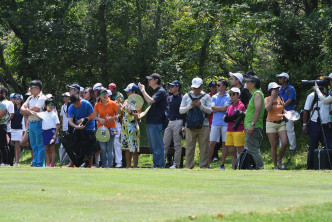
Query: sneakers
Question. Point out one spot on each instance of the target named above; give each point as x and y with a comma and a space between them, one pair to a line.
83, 165
281, 165
214, 159
222, 167
16, 165
276, 168
71, 165
118, 165
3, 164
173, 166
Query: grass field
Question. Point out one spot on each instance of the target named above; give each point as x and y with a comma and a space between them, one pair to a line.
65, 194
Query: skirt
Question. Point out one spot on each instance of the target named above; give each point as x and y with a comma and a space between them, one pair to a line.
47, 136
16, 134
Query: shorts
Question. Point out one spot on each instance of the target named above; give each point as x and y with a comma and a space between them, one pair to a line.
16, 134
235, 139
216, 132
47, 136
275, 127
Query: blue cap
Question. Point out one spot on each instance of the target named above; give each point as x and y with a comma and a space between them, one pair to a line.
212, 84
18, 96
249, 73
75, 86
175, 83
12, 95
131, 87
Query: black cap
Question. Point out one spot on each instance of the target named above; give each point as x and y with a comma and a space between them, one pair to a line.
175, 83
212, 84
36, 83
249, 73
154, 76
75, 86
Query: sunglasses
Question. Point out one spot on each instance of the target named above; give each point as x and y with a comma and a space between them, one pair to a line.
86, 92
233, 94
32, 87
51, 104
103, 94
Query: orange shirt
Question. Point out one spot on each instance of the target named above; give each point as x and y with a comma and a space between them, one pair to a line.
277, 108
104, 110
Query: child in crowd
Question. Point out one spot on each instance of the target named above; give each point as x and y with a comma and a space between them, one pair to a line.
51, 127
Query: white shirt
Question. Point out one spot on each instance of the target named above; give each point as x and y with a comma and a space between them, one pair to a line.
64, 118
10, 109
35, 101
324, 109
50, 120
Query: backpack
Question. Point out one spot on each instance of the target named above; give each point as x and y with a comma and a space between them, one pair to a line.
245, 161
195, 116
311, 108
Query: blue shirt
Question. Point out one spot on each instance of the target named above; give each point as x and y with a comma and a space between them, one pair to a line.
85, 110
218, 117
158, 108
286, 94
174, 103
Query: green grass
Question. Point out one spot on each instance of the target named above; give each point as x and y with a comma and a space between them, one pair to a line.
64, 194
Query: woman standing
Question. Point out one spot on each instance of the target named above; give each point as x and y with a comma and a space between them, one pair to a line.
275, 124
106, 113
235, 130
130, 132
18, 127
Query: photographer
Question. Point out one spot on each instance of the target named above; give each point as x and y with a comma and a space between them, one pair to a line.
324, 99
315, 123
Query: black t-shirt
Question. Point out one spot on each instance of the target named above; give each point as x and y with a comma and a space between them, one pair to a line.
245, 96
16, 122
157, 110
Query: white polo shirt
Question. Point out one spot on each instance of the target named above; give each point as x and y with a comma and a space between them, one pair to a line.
50, 120
10, 109
324, 109
35, 101
64, 117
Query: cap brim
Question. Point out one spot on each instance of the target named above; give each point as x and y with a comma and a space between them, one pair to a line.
195, 86
171, 84
127, 90
149, 77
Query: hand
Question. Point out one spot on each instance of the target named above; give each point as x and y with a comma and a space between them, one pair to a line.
315, 86
119, 100
250, 130
79, 127
305, 129
78, 122
141, 87
198, 103
274, 94
102, 121
33, 113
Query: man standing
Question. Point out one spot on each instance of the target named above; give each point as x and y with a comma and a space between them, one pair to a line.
117, 97
253, 121
288, 94
213, 90
154, 118
197, 105
175, 124
236, 80
219, 105
35, 103
64, 121
316, 124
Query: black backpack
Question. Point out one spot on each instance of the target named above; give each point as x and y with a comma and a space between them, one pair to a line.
195, 116
245, 161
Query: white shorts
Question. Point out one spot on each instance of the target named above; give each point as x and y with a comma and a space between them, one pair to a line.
216, 132
16, 134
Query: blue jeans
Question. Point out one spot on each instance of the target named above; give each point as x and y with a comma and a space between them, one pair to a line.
156, 145
316, 136
36, 143
107, 152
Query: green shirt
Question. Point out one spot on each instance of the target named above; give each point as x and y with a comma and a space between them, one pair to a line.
251, 111
115, 97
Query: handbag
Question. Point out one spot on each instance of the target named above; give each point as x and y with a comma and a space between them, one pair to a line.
103, 134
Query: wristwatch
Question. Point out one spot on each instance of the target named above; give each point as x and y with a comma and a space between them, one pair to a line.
252, 124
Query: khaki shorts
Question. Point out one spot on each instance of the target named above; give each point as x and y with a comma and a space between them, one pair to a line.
275, 127
235, 139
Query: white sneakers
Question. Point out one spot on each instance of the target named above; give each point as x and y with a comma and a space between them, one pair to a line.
3, 164
173, 166
16, 165
118, 165
281, 165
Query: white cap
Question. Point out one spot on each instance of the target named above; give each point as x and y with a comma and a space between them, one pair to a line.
330, 76
283, 74
196, 82
66, 94
48, 96
97, 86
109, 92
81, 89
273, 85
238, 75
236, 90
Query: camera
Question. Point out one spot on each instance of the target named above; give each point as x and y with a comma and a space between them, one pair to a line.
321, 82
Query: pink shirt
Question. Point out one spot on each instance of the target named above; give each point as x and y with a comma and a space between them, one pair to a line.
231, 111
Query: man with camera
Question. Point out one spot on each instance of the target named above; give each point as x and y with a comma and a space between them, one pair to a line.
288, 94
315, 122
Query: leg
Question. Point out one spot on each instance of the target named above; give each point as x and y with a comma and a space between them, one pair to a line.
17, 151
283, 137
224, 153
128, 159
40, 145
273, 142
157, 144
103, 154
117, 148
232, 151
215, 135
177, 142
212, 145
53, 155
109, 151
291, 134
191, 137
47, 156
168, 137
203, 141
252, 142
32, 138
314, 133
135, 159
